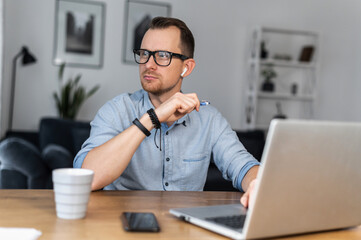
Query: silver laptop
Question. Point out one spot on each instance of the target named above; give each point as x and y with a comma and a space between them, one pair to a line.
309, 181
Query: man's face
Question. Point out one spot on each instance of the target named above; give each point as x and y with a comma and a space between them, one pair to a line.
159, 80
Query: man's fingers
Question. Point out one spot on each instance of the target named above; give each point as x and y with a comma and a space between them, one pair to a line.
177, 106
244, 199
251, 192
194, 97
186, 105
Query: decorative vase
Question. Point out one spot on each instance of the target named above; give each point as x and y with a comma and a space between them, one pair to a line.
294, 88
268, 86
279, 114
263, 51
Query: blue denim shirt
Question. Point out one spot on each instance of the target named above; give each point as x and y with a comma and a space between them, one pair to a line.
187, 145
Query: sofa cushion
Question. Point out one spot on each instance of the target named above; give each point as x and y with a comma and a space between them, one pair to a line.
60, 132
10, 179
254, 142
19, 155
56, 156
79, 135
30, 136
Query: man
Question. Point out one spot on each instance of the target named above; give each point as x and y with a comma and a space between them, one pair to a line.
177, 156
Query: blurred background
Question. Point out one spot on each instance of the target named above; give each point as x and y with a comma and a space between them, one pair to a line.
231, 36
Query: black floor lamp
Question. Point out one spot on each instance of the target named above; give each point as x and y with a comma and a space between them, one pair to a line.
27, 58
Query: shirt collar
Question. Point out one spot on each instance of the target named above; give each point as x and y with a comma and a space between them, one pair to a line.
183, 120
146, 101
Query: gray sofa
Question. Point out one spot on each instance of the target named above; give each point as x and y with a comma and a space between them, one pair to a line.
28, 158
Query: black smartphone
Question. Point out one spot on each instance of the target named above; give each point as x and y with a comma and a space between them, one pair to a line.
139, 222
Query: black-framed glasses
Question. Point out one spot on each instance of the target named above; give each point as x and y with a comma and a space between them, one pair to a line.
161, 58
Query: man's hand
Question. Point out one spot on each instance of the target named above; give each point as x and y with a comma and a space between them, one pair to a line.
247, 197
177, 106
248, 184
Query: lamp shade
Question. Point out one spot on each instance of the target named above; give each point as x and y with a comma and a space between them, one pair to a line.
28, 58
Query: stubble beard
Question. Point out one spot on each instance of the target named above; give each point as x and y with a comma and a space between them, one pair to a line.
156, 88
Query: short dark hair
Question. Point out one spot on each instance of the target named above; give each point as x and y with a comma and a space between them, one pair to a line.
187, 39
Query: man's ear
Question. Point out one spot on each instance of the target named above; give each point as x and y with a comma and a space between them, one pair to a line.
189, 64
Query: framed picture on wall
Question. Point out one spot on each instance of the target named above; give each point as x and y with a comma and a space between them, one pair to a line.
137, 19
79, 33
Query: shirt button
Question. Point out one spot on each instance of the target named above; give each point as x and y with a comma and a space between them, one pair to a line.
166, 184
167, 159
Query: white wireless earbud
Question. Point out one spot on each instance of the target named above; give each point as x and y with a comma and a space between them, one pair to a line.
184, 71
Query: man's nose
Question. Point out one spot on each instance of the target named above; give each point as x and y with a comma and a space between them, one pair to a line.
151, 64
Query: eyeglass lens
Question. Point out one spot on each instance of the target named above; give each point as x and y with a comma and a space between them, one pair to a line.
161, 58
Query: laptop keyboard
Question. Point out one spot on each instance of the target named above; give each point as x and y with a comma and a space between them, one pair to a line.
235, 221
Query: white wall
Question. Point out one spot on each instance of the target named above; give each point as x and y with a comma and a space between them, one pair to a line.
221, 29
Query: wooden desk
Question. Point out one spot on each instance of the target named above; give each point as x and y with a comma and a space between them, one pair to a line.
36, 209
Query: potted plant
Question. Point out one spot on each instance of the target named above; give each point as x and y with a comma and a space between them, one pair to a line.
71, 95
268, 74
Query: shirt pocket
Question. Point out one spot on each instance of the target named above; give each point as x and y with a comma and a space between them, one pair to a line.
195, 169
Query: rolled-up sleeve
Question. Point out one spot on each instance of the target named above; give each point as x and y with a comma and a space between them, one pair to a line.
79, 159
104, 127
229, 154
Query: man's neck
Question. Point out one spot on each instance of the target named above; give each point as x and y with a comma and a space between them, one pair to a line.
157, 100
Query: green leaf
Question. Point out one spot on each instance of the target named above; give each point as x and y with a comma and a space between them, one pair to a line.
71, 95
58, 103
77, 79
92, 91
79, 98
66, 98
71, 83
61, 71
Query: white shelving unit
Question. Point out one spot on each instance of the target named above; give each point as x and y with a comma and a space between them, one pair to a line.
295, 84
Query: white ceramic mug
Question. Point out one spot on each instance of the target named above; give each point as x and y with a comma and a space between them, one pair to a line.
72, 187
